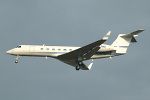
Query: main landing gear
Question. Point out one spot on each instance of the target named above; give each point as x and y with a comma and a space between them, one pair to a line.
17, 59
77, 68
78, 65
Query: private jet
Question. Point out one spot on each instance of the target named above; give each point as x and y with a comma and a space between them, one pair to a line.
75, 56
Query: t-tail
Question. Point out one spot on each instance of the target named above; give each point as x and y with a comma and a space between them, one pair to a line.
123, 41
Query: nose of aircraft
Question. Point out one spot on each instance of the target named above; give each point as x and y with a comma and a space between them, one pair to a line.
9, 51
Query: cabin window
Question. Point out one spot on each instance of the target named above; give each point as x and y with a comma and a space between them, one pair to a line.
64, 49
47, 48
18, 46
53, 49
59, 49
70, 49
41, 48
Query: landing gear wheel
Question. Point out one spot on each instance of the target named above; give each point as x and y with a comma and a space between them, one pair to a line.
77, 68
80, 63
16, 61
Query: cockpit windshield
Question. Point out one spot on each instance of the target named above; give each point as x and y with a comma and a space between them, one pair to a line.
19, 46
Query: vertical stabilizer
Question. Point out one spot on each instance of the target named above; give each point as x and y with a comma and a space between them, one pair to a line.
123, 41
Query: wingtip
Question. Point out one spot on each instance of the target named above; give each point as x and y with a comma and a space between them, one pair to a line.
106, 36
108, 33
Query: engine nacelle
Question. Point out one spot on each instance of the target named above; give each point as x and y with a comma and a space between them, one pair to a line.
106, 49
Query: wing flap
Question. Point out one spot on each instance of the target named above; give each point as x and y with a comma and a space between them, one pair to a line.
90, 53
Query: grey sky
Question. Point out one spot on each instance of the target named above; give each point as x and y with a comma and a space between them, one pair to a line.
77, 23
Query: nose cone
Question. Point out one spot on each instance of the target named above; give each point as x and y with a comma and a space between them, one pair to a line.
9, 51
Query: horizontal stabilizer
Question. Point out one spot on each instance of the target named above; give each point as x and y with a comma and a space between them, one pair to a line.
132, 33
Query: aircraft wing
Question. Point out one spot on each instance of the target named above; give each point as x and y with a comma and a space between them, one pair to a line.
83, 53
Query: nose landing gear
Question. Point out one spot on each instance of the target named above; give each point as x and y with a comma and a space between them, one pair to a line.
17, 59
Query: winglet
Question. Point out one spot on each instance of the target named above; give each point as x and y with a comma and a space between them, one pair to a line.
106, 36
90, 66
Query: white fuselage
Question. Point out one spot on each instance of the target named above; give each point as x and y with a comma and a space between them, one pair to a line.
54, 51
75, 56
